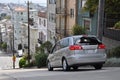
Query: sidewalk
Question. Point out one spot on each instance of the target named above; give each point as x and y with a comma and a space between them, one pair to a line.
7, 63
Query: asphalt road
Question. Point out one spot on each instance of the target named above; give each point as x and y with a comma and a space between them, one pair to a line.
107, 73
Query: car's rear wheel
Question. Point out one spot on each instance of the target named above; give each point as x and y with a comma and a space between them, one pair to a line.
49, 66
65, 65
98, 66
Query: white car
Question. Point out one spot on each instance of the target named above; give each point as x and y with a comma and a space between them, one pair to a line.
20, 53
77, 51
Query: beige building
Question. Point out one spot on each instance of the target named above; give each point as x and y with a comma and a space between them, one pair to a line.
65, 17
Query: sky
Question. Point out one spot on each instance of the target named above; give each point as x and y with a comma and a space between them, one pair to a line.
22, 1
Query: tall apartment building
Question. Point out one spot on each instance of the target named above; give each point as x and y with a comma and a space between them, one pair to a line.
65, 12
20, 22
66, 17
19, 16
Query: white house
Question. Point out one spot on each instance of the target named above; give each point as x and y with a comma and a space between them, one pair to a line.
42, 27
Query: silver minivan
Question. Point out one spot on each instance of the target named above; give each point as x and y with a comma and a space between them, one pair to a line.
77, 51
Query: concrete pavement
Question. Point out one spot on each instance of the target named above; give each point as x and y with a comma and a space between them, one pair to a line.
6, 61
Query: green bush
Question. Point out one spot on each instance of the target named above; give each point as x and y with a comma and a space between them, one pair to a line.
0, 45
115, 52
22, 62
4, 45
40, 59
28, 65
117, 25
78, 30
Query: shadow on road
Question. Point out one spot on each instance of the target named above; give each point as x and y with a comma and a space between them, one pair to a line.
78, 70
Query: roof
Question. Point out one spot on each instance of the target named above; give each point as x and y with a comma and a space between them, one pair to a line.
42, 14
21, 9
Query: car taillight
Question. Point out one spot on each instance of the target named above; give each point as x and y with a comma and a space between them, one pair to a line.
75, 47
101, 46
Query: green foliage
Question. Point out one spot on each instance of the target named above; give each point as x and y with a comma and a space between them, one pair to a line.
0, 45
78, 30
91, 5
111, 6
44, 47
115, 52
47, 45
41, 56
4, 45
117, 25
31, 64
22, 62
40, 59
7, 17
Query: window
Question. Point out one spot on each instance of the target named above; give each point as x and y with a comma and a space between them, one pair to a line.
56, 47
87, 24
44, 23
52, 1
64, 43
71, 12
19, 31
21, 19
21, 13
87, 41
52, 17
40, 21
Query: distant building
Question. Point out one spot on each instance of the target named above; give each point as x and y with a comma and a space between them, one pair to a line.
19, 16
42, 27
6, 33
33, 28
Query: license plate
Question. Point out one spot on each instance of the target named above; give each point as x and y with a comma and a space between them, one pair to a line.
90, 51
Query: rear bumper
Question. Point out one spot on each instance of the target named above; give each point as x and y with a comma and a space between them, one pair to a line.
81, 60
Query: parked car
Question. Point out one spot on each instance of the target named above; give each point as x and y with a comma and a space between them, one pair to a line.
20, 53
77, 51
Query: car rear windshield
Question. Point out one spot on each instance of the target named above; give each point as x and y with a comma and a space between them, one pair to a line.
87, 41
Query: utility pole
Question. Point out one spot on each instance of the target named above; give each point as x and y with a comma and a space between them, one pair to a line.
28, 33
0, 35
14, 57
100, 19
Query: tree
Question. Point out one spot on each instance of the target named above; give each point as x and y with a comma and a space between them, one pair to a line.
47, 45
4, 45
111, 6
91, 5
40, 56
78, 30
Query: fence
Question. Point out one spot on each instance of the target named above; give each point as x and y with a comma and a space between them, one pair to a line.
108, 30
